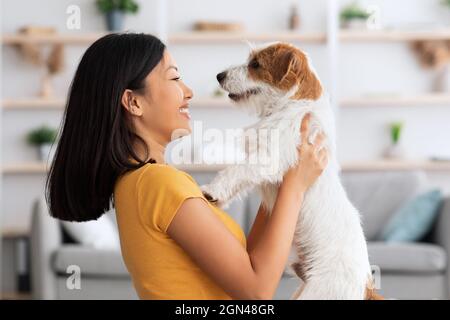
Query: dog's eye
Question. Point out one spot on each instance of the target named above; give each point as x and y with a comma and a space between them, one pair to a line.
254, 64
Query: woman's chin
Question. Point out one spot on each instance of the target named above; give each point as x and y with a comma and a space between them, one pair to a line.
181, 132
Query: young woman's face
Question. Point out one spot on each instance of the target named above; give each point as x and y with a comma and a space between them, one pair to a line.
165, 102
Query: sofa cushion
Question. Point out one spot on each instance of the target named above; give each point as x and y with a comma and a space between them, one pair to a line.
100, 234
378, 195
92, 262
407, 257
414, 220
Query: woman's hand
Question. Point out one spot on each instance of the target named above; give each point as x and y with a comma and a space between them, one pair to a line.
313, 160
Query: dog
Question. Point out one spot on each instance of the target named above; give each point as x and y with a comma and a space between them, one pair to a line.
279, 85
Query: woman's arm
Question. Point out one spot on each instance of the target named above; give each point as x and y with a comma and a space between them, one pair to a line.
254, 274
257, 228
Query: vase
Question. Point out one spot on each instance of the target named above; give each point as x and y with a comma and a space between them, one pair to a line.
47, 91
114, 20
355, 24
395, 151
46, 152
442, 84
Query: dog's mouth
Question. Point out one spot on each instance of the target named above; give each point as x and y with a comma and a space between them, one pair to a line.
244, 95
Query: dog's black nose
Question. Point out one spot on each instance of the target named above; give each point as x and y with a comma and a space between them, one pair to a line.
221, 76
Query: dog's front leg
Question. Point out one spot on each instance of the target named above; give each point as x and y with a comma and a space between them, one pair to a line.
231, 181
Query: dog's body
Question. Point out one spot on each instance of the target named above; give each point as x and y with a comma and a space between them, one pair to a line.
330, 248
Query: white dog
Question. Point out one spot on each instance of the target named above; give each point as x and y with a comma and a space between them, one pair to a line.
280, 86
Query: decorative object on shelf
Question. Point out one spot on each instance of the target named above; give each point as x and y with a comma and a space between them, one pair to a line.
115, 11
436, 55
33, 53
374, 19
218, 26
294, 18
54, 64
396, 149
43, 138
353, 16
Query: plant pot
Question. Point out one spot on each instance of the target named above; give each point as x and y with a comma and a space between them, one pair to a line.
47, 91
395, 151
46, 152
355, 24
442, 83
114, 20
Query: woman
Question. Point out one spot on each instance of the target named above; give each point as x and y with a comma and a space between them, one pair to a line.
125, 101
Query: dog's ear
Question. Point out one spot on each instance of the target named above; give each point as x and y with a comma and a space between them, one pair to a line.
296, 71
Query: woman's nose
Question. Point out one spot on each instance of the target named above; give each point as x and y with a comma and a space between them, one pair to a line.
188, 93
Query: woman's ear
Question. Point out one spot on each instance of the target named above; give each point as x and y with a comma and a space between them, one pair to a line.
131, 103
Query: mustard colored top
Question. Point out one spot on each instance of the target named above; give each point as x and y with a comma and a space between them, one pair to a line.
146, 200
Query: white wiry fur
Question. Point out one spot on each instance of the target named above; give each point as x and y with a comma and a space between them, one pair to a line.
329, 242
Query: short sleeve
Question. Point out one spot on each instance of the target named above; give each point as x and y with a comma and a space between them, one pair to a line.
161, 190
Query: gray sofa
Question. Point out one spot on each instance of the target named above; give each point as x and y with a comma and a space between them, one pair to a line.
408, 271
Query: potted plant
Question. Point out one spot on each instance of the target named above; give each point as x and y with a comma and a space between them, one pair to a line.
115, 11
354, 17
395, 150
43, 138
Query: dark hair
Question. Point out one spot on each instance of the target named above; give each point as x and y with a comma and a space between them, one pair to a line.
96, 142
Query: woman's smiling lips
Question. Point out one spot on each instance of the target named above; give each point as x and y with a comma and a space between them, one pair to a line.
184, 110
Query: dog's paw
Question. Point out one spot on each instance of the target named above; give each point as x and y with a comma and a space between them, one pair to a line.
211, 195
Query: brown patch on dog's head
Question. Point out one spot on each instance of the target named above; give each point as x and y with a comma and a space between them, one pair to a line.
370, 293
284, 66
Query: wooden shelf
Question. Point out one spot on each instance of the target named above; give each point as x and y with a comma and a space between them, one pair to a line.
25, 168
397, 100
40, 104
224, 102
396, 165
14, 233
374, 165
393, 35
33, 103
15, 296
225, 37
64, 38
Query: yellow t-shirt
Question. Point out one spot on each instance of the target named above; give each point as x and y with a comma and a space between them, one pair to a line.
146, 200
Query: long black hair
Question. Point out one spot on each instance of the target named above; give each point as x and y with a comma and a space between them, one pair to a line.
97, 138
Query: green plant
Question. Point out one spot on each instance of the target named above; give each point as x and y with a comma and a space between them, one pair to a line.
126, 6
446, 2
396, 130
42, 135
353, 11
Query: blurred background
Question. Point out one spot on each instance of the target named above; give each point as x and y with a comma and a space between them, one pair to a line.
384, 63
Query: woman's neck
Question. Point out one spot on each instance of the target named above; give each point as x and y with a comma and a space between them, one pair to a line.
155, 149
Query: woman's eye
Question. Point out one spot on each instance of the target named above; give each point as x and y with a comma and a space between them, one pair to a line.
177, 78
254, 64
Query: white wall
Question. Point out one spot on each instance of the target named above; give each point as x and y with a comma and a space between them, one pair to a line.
363, 68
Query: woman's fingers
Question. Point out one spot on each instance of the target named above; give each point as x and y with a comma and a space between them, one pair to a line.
319, 139
323, 153
304, 128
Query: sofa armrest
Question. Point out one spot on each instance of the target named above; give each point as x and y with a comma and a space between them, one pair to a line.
44, 240
441, 232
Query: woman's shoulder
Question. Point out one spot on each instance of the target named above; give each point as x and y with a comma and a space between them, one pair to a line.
162, 174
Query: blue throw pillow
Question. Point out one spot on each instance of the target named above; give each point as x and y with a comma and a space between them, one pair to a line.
414, 219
